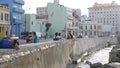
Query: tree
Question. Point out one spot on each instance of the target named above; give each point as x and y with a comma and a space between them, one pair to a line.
47, 25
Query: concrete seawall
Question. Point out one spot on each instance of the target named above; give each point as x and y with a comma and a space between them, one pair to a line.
50, 54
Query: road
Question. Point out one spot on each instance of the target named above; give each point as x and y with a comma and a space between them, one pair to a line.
23, 41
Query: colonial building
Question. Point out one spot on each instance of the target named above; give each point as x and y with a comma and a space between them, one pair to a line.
4, 21
73, 21
61, 18
91, 29
107, 14
16, 12
42, 15
94, 29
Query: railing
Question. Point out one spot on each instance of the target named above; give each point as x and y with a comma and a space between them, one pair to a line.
19, 2
20, 21
19, 10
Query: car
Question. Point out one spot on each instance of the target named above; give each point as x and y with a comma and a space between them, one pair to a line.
29, 38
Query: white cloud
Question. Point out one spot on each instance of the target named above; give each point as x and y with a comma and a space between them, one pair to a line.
79, 4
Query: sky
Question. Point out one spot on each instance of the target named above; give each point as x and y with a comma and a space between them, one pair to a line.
31, 5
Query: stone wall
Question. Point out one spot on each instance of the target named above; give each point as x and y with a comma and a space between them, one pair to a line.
53, 54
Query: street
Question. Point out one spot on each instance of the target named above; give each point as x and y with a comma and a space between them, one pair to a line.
23, 41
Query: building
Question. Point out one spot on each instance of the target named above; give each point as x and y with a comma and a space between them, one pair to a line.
94, 29
73, 20
16, 12
90, 29
61, 18
84, 18
42, 11
42, 15
57, 16
31, 24
107, 14
4, 21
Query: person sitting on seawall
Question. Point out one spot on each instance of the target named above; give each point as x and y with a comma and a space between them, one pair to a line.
35, 37
69, 36
7, 43
56, 37
59, 36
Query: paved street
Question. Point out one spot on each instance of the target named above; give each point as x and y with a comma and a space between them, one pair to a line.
23, 41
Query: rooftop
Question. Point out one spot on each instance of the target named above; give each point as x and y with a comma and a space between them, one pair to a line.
105, 4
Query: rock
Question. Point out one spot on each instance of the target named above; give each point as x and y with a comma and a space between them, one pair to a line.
96, 65
111, 65
115, 64
115, 54
106, 66
88, 62
118, 39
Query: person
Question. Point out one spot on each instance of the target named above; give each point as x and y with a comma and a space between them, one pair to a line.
56, 37
71, 36
7, 43
59, 36
80, 36
68, 36
35, 38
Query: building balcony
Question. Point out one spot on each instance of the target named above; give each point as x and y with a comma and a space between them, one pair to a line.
18, 10
72, 28
19, 2
19, 21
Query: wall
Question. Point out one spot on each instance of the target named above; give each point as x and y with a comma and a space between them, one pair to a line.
15, 16
57, 17
31, 23
4, 21
49, 54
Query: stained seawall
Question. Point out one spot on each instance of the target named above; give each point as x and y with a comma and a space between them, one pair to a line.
52, 54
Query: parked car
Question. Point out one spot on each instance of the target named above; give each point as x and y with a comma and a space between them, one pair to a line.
25, 34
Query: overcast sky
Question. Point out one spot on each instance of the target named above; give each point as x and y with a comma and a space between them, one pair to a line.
30, 5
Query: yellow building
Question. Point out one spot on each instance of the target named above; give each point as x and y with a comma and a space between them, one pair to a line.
4, 21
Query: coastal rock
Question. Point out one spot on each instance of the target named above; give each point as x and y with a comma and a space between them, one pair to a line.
96, 65
115, 54
111, 65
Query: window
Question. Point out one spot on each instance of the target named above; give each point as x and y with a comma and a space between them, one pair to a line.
81, 27
1, 16
85, 33
91, 27
86, 27
72, 23
7, 17
94, 27
94, 33
32, 22
90, 33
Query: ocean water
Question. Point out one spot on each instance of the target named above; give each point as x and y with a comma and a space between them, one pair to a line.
101, 56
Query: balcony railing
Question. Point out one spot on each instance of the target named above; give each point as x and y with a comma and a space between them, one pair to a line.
18, 21
19, 2
18, 10
72, 28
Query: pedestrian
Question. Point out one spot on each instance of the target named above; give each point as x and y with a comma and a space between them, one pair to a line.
68, 36
71, 36
59, 36
35, 38
56, 37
